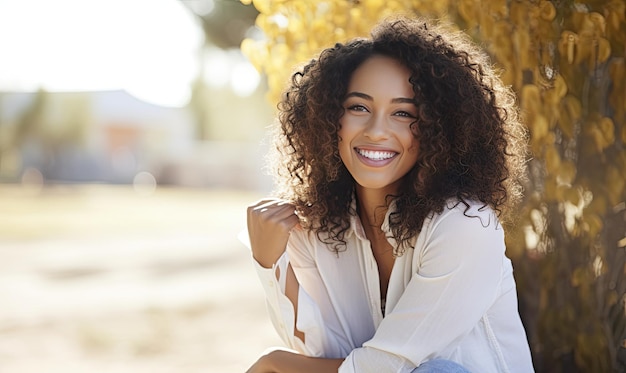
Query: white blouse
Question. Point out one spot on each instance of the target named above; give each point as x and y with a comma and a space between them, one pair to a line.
452, 296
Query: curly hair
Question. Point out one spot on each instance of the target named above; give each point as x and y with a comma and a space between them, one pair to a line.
472, 144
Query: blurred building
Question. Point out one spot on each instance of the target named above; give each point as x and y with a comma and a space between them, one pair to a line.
111, 137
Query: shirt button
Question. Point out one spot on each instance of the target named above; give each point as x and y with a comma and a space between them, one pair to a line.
271, 284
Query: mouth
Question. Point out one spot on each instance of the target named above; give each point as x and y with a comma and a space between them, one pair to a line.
376, 155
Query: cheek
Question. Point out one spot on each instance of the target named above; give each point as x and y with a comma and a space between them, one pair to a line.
412, 143
413, 151
342, 146
341, 132
344, 135
344, 150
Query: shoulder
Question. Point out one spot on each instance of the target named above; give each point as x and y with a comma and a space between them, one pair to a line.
464, 235
466, 211
464, 218
302, 238
302, 246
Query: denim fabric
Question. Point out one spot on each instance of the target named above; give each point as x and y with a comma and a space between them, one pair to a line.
440, 366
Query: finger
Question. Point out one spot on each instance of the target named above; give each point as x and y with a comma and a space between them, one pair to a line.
262, 206
272, 204
291, 222
285, 218
264, 201
281, 212
273, 210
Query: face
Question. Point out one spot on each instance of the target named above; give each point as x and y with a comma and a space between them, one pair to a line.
376, 143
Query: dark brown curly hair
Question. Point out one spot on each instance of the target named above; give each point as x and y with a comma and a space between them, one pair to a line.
472, 145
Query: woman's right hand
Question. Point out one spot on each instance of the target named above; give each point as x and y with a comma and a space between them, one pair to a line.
269, 223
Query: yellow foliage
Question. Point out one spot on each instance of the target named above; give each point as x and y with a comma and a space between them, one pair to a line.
593, 224
601, 132
539, 128
615, 11
597, 206
551, 192
547, 10
567, 172
573, 196
531, 98
579, 277
560, 87
567, 45
468, 9
608, 131
553, 159
570, 114
615, 183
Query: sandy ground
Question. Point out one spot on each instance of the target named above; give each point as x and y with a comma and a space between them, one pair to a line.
105, 279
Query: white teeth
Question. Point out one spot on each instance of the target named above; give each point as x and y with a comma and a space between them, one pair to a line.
375, 155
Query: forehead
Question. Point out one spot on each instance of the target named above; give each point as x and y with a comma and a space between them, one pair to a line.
381, 73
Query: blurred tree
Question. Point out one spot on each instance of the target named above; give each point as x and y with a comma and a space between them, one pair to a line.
565, 60
55, 123
225, 24
32, 120
198, 105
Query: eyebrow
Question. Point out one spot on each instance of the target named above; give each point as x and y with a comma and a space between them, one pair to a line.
398, 100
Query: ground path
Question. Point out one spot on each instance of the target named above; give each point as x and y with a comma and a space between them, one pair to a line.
104, 279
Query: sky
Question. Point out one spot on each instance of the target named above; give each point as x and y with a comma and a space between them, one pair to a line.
146, 47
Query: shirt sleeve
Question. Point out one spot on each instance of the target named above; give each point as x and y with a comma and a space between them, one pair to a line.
281, 310
457, 279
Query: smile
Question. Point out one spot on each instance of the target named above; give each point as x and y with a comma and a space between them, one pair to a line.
376, 155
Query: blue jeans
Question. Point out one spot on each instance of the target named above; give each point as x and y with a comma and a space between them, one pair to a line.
440, 366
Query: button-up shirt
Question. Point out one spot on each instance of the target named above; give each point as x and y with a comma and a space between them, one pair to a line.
452, 296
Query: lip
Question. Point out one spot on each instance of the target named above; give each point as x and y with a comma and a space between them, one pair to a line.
374, 162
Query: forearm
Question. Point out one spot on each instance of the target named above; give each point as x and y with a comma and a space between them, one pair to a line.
280, 361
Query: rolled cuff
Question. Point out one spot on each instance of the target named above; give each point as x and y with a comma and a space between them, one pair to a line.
371, 360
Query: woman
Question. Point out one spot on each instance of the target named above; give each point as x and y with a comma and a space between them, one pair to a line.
398, 156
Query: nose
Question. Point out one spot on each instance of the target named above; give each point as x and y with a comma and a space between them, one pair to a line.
377, 128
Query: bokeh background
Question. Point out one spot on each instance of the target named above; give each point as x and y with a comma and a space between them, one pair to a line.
132, 135
131, 141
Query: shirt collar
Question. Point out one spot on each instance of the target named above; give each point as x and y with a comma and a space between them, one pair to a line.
356, 227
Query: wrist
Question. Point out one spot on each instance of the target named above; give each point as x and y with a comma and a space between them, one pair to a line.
264, 261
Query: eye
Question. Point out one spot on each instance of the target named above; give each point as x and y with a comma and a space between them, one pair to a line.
403, 113
357, 107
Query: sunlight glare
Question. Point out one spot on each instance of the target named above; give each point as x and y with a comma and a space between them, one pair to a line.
146, 47
230, 67
245, 79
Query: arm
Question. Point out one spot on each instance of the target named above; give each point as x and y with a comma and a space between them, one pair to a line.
280, 361
269, 226
270, 222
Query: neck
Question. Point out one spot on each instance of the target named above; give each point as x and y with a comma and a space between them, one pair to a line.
372, 205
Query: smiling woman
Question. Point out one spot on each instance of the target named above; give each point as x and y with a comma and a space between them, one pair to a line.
383, 251
146, 47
